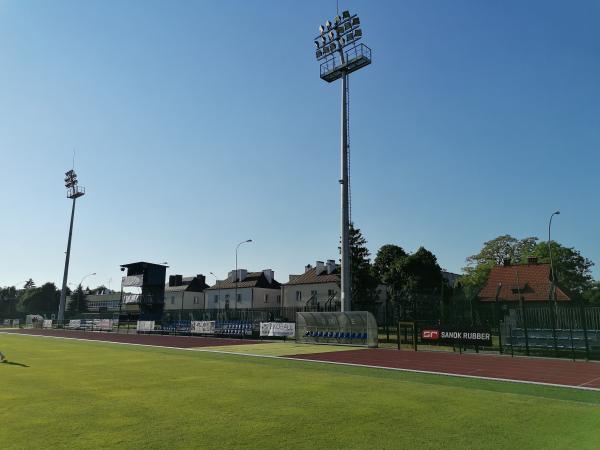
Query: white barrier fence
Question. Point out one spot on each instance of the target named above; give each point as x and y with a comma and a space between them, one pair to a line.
47, 324
203, 326
74, 324
145, 326
88, 324
287, 329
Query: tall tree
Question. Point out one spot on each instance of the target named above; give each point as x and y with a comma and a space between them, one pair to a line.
40, 300
363, 283
411, 279
495, 252
501, 248
592, 294
29, 284
387, 256
78, 301
8, 301
423, 269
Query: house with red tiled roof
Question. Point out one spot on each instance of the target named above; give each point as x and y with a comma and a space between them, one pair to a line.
531, 281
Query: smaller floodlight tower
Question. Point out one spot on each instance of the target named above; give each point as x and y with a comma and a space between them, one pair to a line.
338, 48
74, 191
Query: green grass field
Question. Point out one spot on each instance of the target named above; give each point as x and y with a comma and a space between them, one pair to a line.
69, 394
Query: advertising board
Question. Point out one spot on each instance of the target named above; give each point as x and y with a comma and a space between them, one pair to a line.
445, 335
287, 329
203, 326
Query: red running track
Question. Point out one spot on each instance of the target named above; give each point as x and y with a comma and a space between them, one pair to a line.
537, 370
144, 339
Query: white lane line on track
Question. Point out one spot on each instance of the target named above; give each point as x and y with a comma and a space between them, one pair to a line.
588, 382
287, 358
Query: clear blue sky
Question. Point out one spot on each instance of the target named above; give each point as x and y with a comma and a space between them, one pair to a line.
201, 124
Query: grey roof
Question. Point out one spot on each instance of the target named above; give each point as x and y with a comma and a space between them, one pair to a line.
253, 279
311, 277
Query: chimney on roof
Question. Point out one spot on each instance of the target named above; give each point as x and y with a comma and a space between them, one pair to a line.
175, 280
307, 268
320, 266
242, 274
330, 266
506, 262
201, 279
532, 260
269, 275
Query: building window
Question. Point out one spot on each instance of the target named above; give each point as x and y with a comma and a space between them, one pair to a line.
239, 298
298, 296
172, 300
266, 298
195, 300
330, 293
279, 299
216, 299
313, 294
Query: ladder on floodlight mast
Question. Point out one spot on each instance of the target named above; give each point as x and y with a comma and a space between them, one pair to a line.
348, 148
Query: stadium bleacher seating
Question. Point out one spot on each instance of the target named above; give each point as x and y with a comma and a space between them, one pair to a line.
339, 336
545, 339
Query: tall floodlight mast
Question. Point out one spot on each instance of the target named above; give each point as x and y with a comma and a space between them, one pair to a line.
74, 191
340, 54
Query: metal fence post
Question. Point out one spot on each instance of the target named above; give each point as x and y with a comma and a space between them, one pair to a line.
512, 344
585, 334
500, 337
398, 335
554, 318
525, 326
386, 312
572, 348
415, 334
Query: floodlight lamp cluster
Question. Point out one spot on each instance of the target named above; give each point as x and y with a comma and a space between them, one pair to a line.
70, 179
72, 185
342, 32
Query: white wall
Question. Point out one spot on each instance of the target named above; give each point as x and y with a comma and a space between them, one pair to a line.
271, 300
245, 302
289, 293
173, 300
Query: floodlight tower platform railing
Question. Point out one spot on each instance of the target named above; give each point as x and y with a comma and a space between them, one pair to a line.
355, 58
76, 192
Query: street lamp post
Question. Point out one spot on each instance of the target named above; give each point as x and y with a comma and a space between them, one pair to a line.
88, 275
74, 191
236, 269
340, 54
81, 285
553, 285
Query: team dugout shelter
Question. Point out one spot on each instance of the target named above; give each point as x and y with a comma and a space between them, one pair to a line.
350, 328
